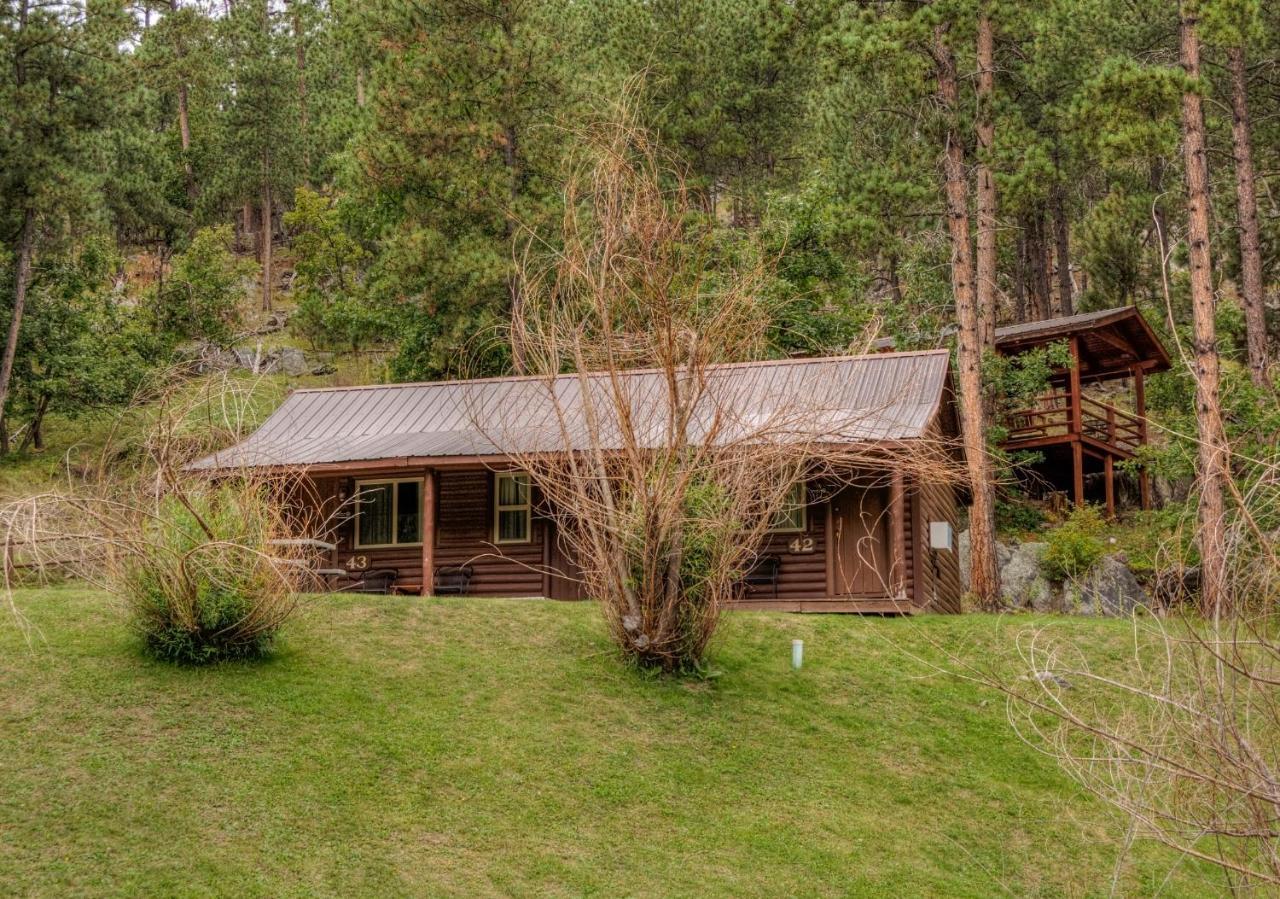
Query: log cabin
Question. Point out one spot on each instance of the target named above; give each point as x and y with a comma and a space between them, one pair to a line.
436, 503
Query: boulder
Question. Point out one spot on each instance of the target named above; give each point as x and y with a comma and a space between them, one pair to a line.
289, 360
1022, 582
1109, 588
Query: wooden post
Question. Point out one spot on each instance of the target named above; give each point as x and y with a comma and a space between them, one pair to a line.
1140, 404
428, 531
1077, 471
1077, 450
1111, 486
898, 521
1075, 386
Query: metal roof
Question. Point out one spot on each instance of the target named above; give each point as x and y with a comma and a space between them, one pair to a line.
852, 399
1111, 341
1052, 326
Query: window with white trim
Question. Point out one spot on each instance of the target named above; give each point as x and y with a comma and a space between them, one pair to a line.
512, 511
388, 513
791, 517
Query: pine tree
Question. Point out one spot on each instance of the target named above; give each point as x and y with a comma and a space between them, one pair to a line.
461, 156
1214, 460
61, 68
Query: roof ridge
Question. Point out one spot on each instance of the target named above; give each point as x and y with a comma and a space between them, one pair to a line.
753, 363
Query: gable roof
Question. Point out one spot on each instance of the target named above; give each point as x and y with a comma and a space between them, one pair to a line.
854, 399
1111, 340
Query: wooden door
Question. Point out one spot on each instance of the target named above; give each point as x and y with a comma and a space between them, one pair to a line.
566, 575
860, 541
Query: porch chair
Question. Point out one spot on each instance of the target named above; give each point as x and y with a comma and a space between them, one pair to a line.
764, 573
378, 580
452, 579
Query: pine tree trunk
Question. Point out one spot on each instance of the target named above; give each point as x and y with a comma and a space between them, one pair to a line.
1062, 243
1040, 267
264, 235
984, 576
1213, 452
1247, 212
891, 276
22, 280
1155, 183
184, 128
1020, 279
301, 53
986, 129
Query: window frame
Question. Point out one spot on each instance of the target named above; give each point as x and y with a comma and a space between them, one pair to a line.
526, 507
802, 505
356, 542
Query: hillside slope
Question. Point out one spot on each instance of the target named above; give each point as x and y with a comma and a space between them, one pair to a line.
484, 747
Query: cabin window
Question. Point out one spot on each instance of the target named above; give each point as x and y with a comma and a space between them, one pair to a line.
791, 517
511, 508
388, 513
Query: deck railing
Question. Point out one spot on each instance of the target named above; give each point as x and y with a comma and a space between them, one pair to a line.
1050, 415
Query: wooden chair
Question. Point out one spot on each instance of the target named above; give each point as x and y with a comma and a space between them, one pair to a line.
764, 573
452, 579
377, 580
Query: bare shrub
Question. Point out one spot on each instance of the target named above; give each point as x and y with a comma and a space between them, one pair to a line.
662, 484
1185, 740
201, 576
206, 570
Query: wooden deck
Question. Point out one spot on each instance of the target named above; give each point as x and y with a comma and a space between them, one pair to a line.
1072, 429
1087, 429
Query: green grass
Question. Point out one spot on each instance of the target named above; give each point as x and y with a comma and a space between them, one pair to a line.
486, 747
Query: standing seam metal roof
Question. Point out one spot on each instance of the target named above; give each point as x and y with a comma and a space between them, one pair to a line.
853, 399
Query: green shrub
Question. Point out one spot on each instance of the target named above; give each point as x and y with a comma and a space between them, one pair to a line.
1074, 546
1017, 516
203, 296
202, 581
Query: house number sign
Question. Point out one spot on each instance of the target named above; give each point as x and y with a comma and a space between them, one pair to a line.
801, 545
357, 563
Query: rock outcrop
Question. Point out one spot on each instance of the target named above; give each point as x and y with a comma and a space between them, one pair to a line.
207, 357
1108, 588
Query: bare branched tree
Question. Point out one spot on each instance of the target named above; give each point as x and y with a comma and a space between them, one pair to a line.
1185, 739
662, 466
148, 530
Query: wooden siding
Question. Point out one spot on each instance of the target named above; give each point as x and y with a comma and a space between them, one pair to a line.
464, 533
937, 571
801, 575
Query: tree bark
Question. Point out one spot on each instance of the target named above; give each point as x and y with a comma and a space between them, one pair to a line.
1044, 291
1155, 182
891, 277
264, 235
986, 129
1251, 289
1020, 279
35, 430
1213, 451
22, 280
1062, 244
301, 53
984, 574
184, 125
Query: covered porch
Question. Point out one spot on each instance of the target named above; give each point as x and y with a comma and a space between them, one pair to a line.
1080, 436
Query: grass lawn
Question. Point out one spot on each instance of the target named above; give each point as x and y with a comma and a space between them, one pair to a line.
487, 747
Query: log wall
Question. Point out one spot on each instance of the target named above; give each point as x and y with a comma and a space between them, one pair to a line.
464, 534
